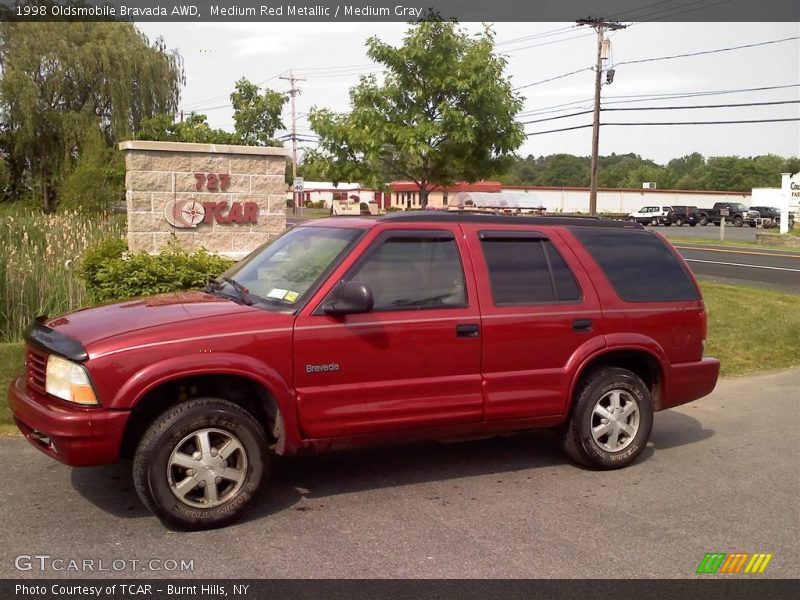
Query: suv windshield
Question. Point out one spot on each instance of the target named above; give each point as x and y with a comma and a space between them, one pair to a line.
284, 271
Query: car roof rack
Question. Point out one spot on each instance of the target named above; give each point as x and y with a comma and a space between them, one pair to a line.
484, 217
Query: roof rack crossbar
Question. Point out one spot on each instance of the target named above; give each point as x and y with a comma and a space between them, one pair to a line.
479, 217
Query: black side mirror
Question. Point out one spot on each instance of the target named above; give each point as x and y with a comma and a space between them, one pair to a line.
353, 297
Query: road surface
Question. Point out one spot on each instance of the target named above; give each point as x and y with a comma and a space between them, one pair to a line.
720, 475
767, 268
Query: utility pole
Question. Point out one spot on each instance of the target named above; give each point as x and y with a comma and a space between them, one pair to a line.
293, 91
600, 25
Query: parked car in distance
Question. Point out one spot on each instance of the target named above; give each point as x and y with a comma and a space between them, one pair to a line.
351, 331
736, 213
651, 215
766, 212
681, 215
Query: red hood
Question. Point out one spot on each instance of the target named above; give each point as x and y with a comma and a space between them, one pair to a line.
100, 322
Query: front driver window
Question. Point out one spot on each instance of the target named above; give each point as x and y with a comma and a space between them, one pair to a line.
414, 271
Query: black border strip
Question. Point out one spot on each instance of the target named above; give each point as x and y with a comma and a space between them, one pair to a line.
713, 588
407, 10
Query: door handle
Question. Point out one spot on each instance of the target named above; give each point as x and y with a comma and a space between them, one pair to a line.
582, 325
468, 330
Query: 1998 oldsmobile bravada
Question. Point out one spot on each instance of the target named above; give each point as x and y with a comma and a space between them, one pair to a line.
349, 331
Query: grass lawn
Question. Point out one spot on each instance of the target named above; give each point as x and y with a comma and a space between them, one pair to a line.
749, 330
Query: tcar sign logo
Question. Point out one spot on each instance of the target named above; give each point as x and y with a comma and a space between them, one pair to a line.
191, 213
184, 213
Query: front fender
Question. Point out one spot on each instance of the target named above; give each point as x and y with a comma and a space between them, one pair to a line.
220, 363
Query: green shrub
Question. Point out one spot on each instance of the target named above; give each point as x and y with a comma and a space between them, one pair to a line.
112, 273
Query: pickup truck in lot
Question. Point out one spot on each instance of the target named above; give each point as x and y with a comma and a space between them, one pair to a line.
770, 216
350, 331
737, 212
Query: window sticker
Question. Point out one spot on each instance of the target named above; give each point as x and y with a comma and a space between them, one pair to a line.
291, 296
277, 293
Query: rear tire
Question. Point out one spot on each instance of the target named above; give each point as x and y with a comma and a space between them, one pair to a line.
679, 222
654, 222
703, 220
611, 420
201, 463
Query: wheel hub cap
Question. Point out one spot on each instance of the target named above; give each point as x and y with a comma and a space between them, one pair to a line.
615, 420
207, 468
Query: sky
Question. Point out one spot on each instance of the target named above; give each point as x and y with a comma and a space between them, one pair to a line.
332, 55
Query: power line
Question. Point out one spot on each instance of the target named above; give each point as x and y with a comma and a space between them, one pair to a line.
527, 85
658, 58
707, 122
661, 123
700, 106
671, 95
644, 60
584, 112
557, 130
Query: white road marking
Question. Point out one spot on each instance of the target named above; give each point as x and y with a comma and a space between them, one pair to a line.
730, 264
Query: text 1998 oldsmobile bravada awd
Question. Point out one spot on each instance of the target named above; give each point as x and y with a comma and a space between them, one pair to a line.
350, 331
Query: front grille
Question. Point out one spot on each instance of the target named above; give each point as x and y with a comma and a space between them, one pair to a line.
37, 369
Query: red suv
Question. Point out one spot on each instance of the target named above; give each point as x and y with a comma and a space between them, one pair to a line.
349, 331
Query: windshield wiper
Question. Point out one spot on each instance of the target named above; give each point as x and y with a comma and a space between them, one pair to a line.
244, 293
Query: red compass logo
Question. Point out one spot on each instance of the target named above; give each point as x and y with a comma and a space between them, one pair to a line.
184, 213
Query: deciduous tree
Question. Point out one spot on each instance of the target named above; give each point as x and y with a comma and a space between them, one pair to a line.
443, 110
61, 79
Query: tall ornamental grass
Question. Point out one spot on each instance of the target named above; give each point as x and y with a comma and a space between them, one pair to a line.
39, 263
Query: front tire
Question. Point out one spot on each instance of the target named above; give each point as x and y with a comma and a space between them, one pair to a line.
679, 222
703, 220
611, 420
201, 463
738, 221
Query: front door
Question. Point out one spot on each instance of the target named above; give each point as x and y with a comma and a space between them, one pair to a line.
414, 360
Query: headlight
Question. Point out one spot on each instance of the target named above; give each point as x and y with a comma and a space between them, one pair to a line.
68, 381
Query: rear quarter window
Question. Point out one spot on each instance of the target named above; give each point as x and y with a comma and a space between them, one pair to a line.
638, 265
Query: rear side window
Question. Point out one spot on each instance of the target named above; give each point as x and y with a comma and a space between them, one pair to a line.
638, 265
527, 270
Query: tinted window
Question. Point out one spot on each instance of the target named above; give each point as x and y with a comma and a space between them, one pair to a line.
414, 272
527, 271
638, 265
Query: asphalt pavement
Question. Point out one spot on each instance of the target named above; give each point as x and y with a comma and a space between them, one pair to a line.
720, 475
766, 268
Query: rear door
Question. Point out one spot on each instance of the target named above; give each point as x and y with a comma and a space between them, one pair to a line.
539, 309
414, 360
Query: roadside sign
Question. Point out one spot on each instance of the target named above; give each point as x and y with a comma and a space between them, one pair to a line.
298, 184
724, 212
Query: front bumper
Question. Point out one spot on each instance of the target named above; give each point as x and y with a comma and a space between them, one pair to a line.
76, 436
689, 381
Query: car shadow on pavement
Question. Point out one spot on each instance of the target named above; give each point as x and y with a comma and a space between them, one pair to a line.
298, 478
348, 471
672, 429
110, 487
